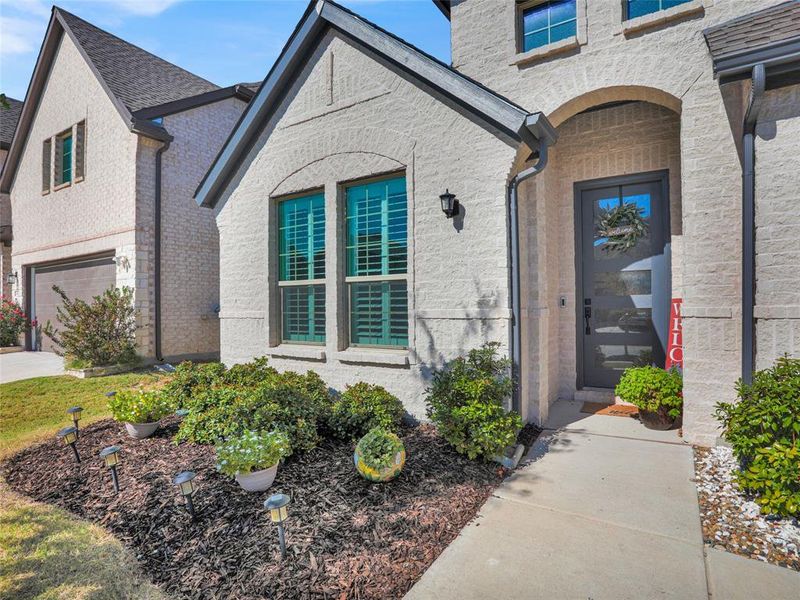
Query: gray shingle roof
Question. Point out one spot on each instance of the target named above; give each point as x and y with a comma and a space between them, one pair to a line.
8, 121
761, 28
136, 77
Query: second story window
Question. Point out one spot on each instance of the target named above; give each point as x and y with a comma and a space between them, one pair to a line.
546, 22
639, 8
63, 173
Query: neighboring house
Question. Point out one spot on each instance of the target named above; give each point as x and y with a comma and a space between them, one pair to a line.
336, 255
8, 123
110, 146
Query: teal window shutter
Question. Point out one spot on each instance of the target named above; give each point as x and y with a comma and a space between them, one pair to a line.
66, 159
377, 262
301, 258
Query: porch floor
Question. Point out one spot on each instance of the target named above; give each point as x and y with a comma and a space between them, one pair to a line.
604, 509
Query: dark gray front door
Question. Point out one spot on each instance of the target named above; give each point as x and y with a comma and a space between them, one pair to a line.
623, 293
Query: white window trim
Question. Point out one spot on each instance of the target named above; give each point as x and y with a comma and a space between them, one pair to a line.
657, 19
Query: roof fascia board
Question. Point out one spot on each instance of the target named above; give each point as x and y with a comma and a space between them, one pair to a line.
777, 53
170, 108
460, 89
444, 7
272, 89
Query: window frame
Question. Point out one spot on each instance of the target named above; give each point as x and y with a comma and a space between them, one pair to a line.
349, 280
282, 285
57, 166
522, 7
627, 3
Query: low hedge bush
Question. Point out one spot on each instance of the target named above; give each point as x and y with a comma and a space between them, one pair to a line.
763, 428
652, 389
466, 402
362, 407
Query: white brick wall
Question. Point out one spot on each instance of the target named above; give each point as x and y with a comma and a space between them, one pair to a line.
778, 227
372, 122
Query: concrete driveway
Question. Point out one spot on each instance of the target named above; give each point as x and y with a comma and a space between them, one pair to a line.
24, 365
604, 510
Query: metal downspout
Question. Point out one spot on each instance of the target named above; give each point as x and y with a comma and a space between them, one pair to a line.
157, 256
748, 222
513, 259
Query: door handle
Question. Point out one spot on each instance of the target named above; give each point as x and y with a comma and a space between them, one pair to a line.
587, 314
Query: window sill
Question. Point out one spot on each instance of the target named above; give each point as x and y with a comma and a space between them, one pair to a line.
546, 51
62, 186
662, 17
300, 351
369, 356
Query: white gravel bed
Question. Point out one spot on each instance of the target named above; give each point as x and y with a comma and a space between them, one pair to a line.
733, 522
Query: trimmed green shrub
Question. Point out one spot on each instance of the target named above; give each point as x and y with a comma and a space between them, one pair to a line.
293, 403
251, 451
362, 407
763, 428
13, 322
466, 402
100, 332
774, 476
130, 406
250, 374
378, 448
189, 378
652, 389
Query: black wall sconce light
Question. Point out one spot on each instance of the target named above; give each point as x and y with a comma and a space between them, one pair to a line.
449, 204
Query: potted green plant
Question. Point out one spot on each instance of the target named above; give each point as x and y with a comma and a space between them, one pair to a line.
140, 410
379, 455
252, 458
657, 393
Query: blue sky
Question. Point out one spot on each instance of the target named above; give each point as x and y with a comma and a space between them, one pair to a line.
225, 41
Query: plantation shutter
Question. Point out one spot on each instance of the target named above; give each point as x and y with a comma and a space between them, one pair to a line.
46, 152
377, 262
80, 152
302, 268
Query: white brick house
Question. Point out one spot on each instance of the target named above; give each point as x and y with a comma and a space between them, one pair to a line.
335, 254
110, 145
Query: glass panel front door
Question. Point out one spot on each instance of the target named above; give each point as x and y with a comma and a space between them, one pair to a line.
625, 277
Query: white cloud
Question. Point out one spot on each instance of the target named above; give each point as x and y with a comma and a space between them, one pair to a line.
19, 36
147, 8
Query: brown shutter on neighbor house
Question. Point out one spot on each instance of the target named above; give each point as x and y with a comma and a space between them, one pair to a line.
46, 166
80, 144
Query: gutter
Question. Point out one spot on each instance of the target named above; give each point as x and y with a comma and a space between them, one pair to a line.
542, 145
759, 81
157, 255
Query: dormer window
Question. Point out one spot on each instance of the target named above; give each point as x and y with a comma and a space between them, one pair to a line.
544, 23
639, 8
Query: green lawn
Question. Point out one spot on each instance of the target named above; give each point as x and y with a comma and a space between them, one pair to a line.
33, 409
45, 553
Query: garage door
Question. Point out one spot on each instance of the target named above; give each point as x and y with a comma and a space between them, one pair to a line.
82, 279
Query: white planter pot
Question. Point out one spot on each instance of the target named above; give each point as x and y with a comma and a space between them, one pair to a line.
257, 481
141, 430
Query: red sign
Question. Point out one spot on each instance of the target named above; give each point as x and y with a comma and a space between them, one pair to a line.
675, 345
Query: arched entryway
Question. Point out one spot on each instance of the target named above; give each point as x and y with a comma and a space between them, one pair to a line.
588, 307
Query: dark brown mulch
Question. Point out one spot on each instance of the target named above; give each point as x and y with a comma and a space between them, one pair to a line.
347, 538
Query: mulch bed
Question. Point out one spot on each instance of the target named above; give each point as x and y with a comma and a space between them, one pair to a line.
733, 522
347, 538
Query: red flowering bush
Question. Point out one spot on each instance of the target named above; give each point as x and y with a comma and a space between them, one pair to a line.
13, 322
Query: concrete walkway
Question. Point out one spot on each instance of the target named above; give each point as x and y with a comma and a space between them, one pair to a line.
24, 365
604, 509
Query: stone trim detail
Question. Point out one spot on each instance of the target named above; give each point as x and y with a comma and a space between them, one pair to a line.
657, 19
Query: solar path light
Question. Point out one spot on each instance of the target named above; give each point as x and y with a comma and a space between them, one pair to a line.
278, 512
111, 457
70, 436
185, 481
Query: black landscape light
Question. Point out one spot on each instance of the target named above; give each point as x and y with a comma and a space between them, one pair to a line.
449, 204
110, 394
185, 481
276, 504
70, 436
111, 456
75, 413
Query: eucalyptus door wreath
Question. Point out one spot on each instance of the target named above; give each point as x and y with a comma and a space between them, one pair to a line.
622, 227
